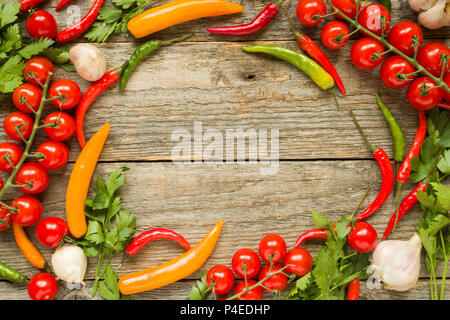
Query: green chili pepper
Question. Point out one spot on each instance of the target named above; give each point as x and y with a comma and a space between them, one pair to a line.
8, 273
398, 139
140, 53
322, 78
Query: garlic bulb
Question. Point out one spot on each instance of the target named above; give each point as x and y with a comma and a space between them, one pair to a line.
433, 14
397, 263
69, 263
421, 5
89, 61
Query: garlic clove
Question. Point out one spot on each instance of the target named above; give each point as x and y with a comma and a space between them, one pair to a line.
89, 61
435, 17
421, 5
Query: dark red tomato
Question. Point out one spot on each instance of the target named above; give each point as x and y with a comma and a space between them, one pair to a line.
1, 184
223, 279
41, 24
272, 246
363, 53
69, 90
370, 18
31, 93
252, 263
56, 154
422, 95
14, 152
65, 126
363, 237
253, 294
447, 82
308, 9
393, 66
5, 218
33, 176
401, 36
301, 261
29, 210
276, 282
335, 35
429, 57
50, 231
348, 7
18, 120
40, 67
42, 286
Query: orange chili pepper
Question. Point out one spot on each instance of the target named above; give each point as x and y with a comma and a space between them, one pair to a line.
173, 270
28, 249
80, 179
176, 12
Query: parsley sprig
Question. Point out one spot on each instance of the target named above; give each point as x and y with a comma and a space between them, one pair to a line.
113, 19
432, 167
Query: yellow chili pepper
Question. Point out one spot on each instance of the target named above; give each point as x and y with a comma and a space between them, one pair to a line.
173, 270
80, 179
176, 12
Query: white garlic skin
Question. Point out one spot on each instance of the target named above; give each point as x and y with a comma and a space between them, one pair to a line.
421, 5
89, 61
69, 263
397, 263
436, 17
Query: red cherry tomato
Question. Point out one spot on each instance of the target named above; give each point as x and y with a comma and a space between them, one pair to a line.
18, 120
14, 152
301, 261
69, 90
33, 176
5, 218
307, 9
252, 263
65, 126
370, 18
363, 237
429, 57
401, 36
447, 82
29, 210
421, 95
223, 279
41, 24
335, 35
348, 7
56, 154
272, 245
276, 282
32, 95
362, 53
42, 286
253, 294
40, 67
50, 231
393, 66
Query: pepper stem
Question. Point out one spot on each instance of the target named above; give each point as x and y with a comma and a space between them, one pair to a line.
371, 147
297, 33
167, 42
358, 205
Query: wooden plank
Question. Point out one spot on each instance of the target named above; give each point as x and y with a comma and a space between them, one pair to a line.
192, 198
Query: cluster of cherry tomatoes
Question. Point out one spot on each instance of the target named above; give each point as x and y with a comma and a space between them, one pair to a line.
367, 53
246, 264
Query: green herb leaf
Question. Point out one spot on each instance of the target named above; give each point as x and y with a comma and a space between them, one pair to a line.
95, 232
11, 74
35, 47
58, 55
109, 288
9, 13
201, 290
321, 221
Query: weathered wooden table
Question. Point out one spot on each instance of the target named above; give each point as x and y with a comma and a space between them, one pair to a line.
209, 81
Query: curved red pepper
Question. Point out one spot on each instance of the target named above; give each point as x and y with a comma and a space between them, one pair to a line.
155, 234
261, 20
61, 4
353, 290
26, 5
81, 26
88, 98
314, 234
405, 206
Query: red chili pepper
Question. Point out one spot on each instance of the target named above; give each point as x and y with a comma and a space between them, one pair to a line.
314, 234
387, 174
88, 98
444, 105
81, 26
61, 4
154, 234
29, 4
261, 20
405, 206
313, 50
405, 169
353, 290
